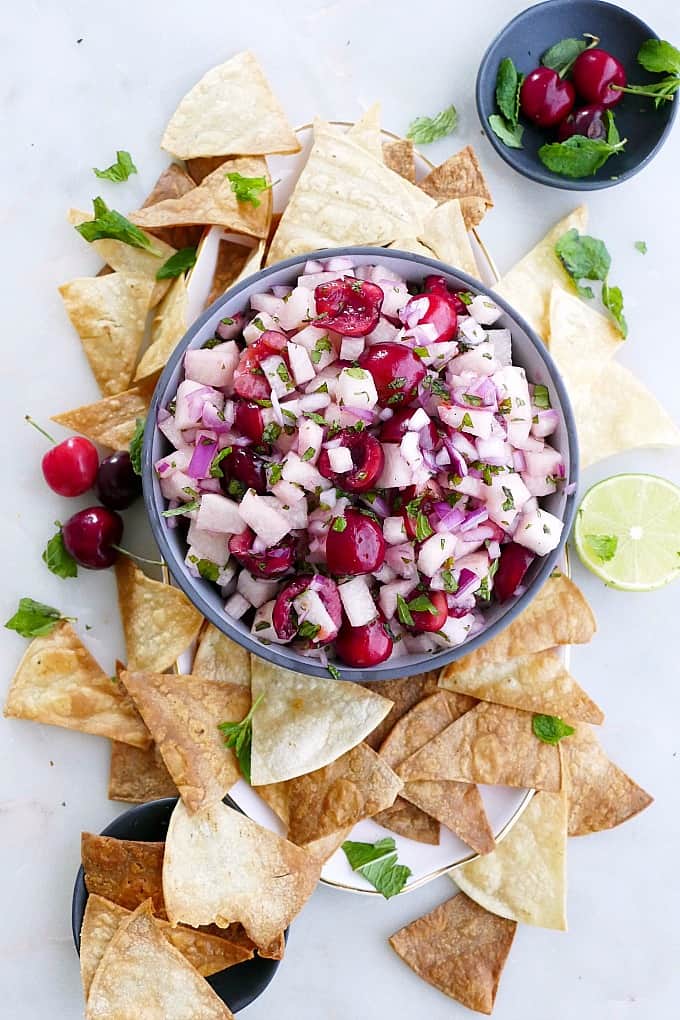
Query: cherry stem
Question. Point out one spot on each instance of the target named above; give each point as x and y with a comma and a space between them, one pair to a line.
135, 556
40, 429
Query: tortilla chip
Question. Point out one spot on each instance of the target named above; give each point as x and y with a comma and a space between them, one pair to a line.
231, 110
413, 245
174, 182
109, 314
138, 776
345, 197
399, 156
159, 622
305, 722
460, 948
446, 234
207, 953
528, 285
202, 166
367, 132
183, 714
214, 203
422, 723
142, 975
458, 806
219, 658
124, 258
601, 795
167, 329
617, 412
525, 879
408, 820
489, 744
59, 682
220, 867
125, 871
558, 615
460, 176
535, 683
404, 693
582, 341
320, 850
111, 421
234, 263
356, 786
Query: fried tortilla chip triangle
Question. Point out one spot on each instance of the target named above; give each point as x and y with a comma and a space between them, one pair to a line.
138, 775
367, 132
220, 658
558, 615
399, 156
445, 233
344, 196
109, 314
142, 975
460, 948
276, 796
306, 722
111, 421
183, 714
214, 203
59, 682
460, 176
221, 867
582, 341
167, 329
404, 693
489, 744
159, 622
231, 110
359, 784
525, 879
528, 285
234, 263
408, 820
125, 871
173, 183
207, 953
601, 795
535, 683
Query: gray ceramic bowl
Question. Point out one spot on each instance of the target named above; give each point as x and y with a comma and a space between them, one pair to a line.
528, 36
528, 351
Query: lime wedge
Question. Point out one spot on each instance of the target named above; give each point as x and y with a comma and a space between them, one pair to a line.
628, 531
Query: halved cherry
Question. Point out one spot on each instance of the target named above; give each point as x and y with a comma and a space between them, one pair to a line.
514, 562
440, 313
243, 466
284, 620
439, 285
425, 619
395, 428
411, 515
368, 459
356, 548
248, 420
273, 562
249, 379
364, 646
396, 372
348, 306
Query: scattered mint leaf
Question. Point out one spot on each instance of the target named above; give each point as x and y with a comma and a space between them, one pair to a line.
550, 728
136, 446
34, 619
641, 246
308, 454
118, 171
247, 189
424, 130
508, 503
239, 736
612, 299
507, 90
659, 57
602, 546
562, 55
356, 372
361, 854
578, 156
57, 557
333, 670
377, 862
109, 223
271, 432
584, 258
177, 264
509, 135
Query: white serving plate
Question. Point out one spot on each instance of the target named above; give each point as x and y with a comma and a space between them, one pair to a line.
503, 804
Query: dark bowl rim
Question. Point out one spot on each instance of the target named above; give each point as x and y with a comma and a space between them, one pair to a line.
544, 176
398, 668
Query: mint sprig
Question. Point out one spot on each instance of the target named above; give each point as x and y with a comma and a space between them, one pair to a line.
35, 619
550, 728
57, 557
108, 223
239, 737
377, 862
424, 130
118, 171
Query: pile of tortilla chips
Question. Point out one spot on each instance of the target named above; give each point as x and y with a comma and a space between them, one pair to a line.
413, 754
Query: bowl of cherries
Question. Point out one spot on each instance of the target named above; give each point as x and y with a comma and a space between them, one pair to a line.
578, 94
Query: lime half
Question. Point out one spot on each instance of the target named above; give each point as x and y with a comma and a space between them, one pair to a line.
628, 531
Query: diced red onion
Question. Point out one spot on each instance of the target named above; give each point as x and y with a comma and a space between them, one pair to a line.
458, 462
377, 505
216, 420
199, 465
450, 517
474, 519
519, 460
210, 485
313, 266
465, 582
172, 522
361, 413
570, 489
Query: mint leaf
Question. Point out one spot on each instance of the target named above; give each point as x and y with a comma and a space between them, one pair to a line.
423, 527
603, 547
507, 90
360, 854
339, 524
109, 223
177, 264
185, 508
118, 171
247, 189
215, 469
612, 299
239, 736
509, 135
378, 864
641, 246
421, 604
136, 446
59, 561
550, 728
584, 258
541, 397
208, 570
424, 130
613, 136
33, 619
578, 156
562, 55
308, 631
403, 611
659, 56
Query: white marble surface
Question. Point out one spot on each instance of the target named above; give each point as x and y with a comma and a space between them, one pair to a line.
83, 78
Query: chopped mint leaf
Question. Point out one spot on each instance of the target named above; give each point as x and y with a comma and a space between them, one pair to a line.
508, 503
118, 171
641, 246
239, 736
274, 473
309, 453
215, 469
612, 299
271, 432
542, 397
450, 583
403, 611
421, 604
356, 373
308, 631
177, 264
247, 189
185, 508
136, 446
423, 527
339, 524
333, 670
208, 570
34, 619
550, 728
424, 130
466, 422
109, 223
603, 547
59, 561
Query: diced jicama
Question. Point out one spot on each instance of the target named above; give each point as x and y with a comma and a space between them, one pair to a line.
505, 498
539, 531
258, 325
267, 523
351, 347
263, 628
357, 389
277, 375
217, 513
501, 341
340, 459
257, 590
483, 310
303, 473
479, 361
310, 438
388, 595
434, 551
539, 485
357, 601
310, 609
396, 297
178, 460
472, 332
384, 332
208, 545
268, 303
178, 485
300, 307
236, 606
547, 461
511, 383
469, 419
394, 530
288, 493
319, 345
213, 366
295, 513
454, 631
300, 364
401, 558
396, 472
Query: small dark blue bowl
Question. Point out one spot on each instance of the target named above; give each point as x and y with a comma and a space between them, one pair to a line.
527, 37
238, 986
